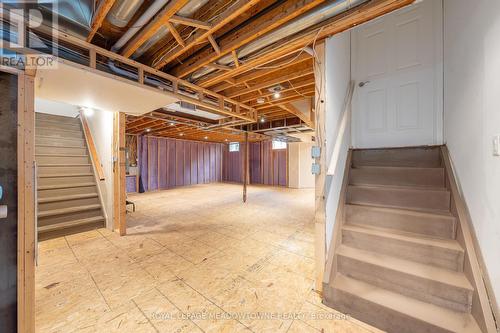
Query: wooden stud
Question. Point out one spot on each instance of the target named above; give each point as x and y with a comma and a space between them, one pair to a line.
320, 179
232, 12
152, 27
99, 16
212, 41
245, 169
339, 23
119, 181
190, 22
235, 58
26, 239
141, 75
175, 33
92, 58
263, 24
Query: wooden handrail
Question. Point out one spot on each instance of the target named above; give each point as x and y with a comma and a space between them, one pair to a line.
218, 103
91, 146
334, 160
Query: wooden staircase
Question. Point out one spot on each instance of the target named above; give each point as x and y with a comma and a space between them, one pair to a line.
398, 265
68, 197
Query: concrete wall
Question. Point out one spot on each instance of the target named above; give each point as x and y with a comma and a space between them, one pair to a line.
338, 76
472, 115
101, 126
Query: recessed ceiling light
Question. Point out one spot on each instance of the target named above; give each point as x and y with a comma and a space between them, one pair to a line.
148, 129
261, 100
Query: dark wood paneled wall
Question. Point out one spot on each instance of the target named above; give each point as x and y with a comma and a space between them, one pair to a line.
267, 166
8, 180
168, 163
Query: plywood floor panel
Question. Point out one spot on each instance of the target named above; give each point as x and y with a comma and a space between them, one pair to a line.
196, 259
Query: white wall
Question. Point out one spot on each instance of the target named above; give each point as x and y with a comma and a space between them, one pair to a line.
101, 126
299, 165
472, 115
55, 108
338, 76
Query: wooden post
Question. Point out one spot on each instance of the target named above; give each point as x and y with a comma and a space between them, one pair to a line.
119, 190
320, 179
245, 169
26, 232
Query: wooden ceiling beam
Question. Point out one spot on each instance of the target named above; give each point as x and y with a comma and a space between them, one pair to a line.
248, 33
190, 22
293, 75
152, 27
275, 66
236, 9
175, 33
339, 23
99, 16
306, 86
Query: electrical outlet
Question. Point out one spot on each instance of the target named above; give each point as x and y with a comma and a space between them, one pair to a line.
496, 145
316, 169
315, 152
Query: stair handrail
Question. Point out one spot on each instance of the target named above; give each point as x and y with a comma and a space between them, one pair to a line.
346, 116
331, 172
92, 148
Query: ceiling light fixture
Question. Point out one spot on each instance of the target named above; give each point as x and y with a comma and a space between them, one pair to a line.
261, 100
277, 95
88, 112
206, 138
262, 119
181, 134
148, 130
171, 124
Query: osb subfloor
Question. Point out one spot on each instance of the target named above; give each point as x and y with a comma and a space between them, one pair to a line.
196, 259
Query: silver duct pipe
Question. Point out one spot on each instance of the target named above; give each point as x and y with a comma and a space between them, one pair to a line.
304, 21
123, 11
187, 11
141, 21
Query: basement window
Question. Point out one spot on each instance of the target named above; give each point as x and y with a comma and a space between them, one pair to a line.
279, 144
234, 147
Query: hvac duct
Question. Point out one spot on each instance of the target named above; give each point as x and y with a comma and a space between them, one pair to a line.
122, 12
141, 21
187, 11
304, 21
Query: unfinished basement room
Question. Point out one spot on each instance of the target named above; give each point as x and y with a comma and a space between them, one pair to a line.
322, 166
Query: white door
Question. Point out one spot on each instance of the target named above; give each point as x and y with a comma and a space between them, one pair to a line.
399, 59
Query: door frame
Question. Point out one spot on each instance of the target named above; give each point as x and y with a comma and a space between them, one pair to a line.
26, 199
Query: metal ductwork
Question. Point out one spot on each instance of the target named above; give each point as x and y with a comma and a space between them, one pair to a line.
187, 11
122, 12
300, 23
152, 10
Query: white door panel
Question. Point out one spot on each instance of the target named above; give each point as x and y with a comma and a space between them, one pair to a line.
399, 57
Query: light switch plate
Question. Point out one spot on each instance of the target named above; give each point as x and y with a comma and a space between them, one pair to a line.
496, 145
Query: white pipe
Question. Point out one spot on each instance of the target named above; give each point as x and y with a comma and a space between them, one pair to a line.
308, 19
141, 21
